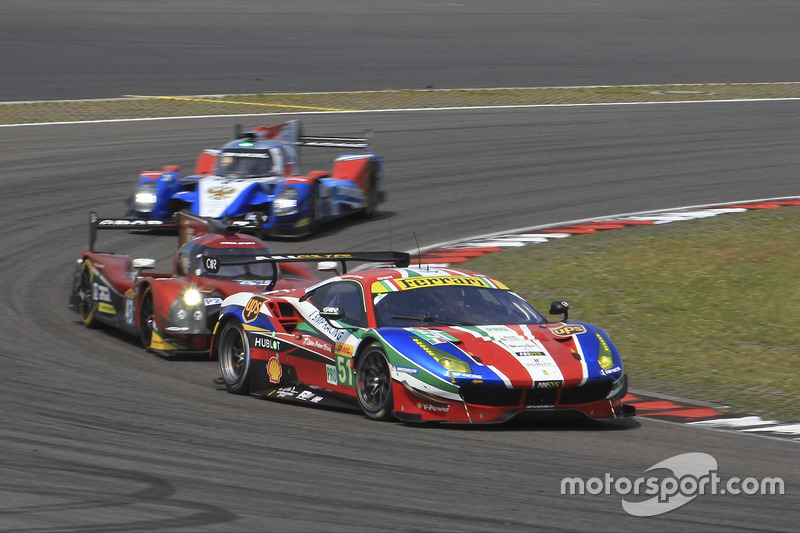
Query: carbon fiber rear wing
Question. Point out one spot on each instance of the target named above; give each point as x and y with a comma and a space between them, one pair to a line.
336, 142
126, 223
212, 264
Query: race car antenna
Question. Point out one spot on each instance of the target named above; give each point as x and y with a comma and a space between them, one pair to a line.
419, 252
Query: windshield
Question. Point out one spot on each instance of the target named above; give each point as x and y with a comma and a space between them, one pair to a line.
253, 271
454, 306
244, 165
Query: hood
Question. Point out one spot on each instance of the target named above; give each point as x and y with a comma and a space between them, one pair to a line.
515, 356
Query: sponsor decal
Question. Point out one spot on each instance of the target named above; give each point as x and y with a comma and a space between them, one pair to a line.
323, 325
130, 312
109, 222
611, 371
433, 336
430, 408
106, 309
523, 347
568, 330
432, 281
252, 308
344, 349
305, 395
330, 375
464, 375
344, 371
101, 293
238, 243
274, 370
212, 301
317, 344
221, 192
547, 384
406, 370
267, 343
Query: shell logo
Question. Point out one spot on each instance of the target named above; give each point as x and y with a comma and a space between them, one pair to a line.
274, 370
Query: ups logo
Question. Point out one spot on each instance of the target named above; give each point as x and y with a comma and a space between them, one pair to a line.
567, 330
253, 308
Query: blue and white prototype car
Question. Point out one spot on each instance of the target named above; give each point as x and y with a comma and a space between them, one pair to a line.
255, 183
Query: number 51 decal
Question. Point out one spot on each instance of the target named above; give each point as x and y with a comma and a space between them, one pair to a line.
344, 373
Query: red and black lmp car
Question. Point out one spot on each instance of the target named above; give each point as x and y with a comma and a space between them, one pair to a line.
173, 312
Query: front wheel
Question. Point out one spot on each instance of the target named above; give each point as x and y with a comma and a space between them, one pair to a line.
374, 384
87, 306
234, 358
146, 318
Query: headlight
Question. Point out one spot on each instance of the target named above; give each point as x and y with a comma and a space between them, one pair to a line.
449, 362
286, 202
604, 356
187, 314
192, 297
144, 197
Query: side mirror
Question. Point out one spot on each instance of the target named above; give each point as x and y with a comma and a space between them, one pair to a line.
331, 313
142, 264
328, 266
560, 307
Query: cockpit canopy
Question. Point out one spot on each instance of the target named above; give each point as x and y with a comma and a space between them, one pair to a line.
245, 164
190, 261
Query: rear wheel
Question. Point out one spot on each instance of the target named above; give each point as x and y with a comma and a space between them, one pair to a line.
374, 383
87, 306
370, 198
234, 358
313, 210
146, 318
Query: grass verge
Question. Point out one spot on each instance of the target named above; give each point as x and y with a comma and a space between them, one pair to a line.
150, 106
706, 309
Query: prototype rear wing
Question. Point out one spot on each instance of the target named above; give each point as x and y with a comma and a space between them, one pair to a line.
126, 223
212, 264
289, 132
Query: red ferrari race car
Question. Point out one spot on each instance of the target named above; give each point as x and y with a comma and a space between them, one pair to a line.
418, 345
173, 312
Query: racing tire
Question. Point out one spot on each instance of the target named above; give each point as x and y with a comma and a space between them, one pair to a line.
233, 353
146, 318
87, 306
371, 201
374, 383
313, 210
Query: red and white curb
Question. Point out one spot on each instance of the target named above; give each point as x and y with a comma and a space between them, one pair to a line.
460, 251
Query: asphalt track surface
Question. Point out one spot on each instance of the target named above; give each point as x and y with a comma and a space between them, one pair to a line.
97, 434
52, 49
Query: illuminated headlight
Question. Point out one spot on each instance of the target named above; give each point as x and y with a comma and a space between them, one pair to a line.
192, 297
144, 198
604, 356
286, 202
188, 313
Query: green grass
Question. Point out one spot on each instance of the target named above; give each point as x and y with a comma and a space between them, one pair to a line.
707, 309
148, 106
